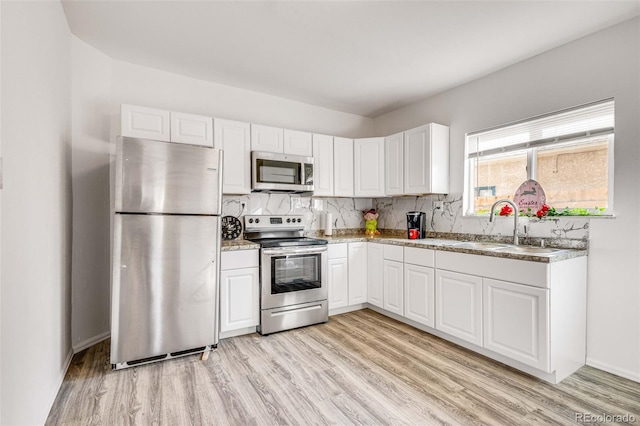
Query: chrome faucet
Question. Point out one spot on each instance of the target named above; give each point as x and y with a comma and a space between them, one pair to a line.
515, 217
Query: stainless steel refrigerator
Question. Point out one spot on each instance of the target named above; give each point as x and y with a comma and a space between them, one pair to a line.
166, 251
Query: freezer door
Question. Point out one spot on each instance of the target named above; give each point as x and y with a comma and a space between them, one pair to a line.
164, 177
165, 285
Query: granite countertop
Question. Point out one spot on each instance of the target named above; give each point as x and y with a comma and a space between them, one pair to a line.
486, 248
239, 244
507, 251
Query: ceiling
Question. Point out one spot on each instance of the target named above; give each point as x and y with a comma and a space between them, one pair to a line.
361, 57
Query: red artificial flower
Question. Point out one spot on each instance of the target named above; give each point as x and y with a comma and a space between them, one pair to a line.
545, 208
506, 210
541, 213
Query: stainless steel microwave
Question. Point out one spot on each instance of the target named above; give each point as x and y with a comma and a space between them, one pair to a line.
271, 172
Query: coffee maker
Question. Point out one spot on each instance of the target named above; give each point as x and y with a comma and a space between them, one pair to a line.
416, 227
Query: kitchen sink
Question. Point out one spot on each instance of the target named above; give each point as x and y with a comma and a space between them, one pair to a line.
480, 245
530, 250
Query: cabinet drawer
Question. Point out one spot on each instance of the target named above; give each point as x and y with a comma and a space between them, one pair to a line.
393, 252
336, 251
239, 259
519, 271
419, 256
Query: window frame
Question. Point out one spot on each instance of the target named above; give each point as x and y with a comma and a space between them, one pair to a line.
468, 199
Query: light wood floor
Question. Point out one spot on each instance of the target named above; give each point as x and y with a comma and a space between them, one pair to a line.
360, 368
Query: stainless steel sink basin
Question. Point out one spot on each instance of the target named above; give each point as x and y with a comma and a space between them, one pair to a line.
481, 246
530, 250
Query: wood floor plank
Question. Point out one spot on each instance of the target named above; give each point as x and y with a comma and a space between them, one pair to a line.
359, 368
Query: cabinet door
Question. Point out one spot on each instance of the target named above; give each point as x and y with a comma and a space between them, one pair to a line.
419, 294
439, 158
338, 279
145, 123
393, 287
191, 129
375, 275
368, 155
323, 165
234, 137
357, 273
394, 164
417, 161
343, 167
267, 139
459, 305
239, 299
297, 143
516, 322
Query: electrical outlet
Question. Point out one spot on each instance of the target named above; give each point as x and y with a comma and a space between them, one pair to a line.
438, 205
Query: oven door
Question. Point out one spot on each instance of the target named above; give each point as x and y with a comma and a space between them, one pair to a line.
293, 275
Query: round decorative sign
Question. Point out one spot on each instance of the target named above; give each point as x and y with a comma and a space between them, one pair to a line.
530, 196
231, 228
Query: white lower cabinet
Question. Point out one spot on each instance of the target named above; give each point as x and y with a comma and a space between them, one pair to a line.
516, 322
393, 298
419, 302
375, 275
459, 305
338, 282
239, 291
357, 273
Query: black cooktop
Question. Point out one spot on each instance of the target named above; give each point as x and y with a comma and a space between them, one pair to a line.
288, 242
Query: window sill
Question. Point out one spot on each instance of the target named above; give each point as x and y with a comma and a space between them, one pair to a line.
486, 217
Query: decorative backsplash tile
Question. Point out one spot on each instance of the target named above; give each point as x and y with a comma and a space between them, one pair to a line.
348, 214
450, 219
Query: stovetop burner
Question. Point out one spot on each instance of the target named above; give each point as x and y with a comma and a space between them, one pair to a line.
288, 242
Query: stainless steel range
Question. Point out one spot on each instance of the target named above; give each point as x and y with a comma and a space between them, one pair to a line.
293, 271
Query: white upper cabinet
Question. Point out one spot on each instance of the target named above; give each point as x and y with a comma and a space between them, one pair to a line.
145, 123
267, 139
394, 164
368, 167
343, 167
191, 129
234, 137
426, 160
297, 143
323, 165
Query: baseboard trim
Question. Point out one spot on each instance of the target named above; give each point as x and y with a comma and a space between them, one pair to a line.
63, 373
87, 343
627, 374
344, 310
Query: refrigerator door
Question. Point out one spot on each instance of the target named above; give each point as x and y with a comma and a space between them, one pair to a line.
165, 290
164, 177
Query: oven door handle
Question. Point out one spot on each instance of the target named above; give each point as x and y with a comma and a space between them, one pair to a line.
291, 250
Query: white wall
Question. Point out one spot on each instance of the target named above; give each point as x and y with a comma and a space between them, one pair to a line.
91, 126
140, 85
36, 209
599, 66
100, 85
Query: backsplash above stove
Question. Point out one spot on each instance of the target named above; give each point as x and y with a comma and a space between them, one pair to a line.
348, 214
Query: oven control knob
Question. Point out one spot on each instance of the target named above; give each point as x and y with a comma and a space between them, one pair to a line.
299, 220
250, 220
257, 220
288, 220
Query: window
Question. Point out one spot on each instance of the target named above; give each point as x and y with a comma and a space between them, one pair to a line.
570, 153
